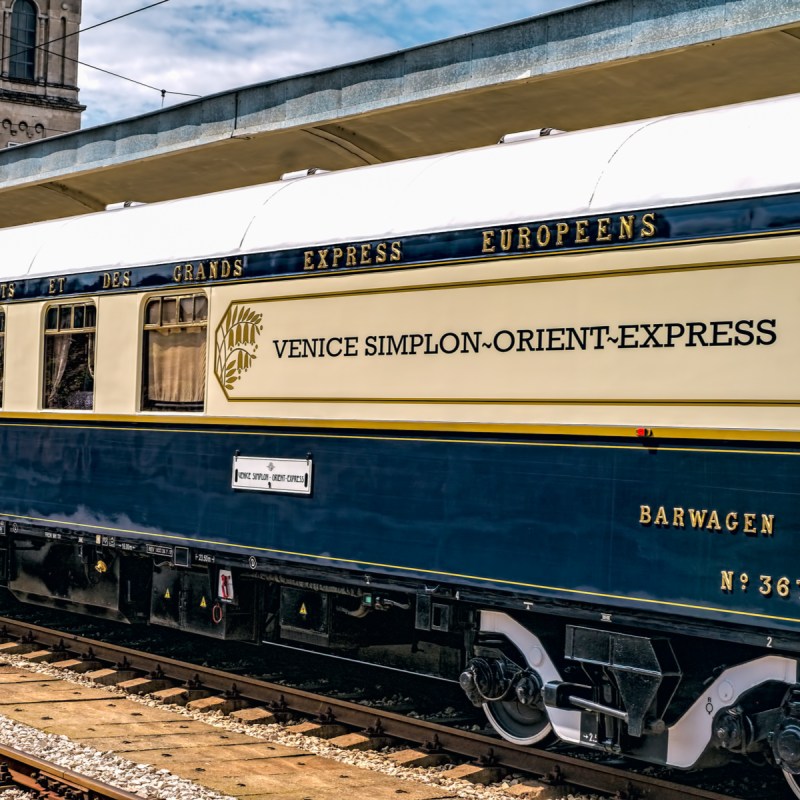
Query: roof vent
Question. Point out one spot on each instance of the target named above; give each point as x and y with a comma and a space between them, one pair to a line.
523, 136
303, 173
123, 204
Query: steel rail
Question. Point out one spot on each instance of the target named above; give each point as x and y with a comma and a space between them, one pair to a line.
554, 767
49, 780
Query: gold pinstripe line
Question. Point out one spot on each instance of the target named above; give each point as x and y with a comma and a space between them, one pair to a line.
639, 444
92, 419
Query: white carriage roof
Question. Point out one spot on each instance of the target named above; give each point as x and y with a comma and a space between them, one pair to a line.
736, 151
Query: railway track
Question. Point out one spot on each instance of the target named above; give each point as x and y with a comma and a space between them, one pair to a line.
47, 781
281, 702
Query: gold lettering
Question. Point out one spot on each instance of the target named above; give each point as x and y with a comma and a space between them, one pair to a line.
488, 242
126, 278
732, 521
213, 267
562, 229
380, 253
661, 516
677, 518
397, 251
648, 225
626, 226
52, 286
238, 268
366, 253
767, 524
337, 255
523, 238
749, 520
12, 288
580, 231
177, 274
543, 236
505, 239
188, 272
201, 271
323, 258
713, 521
308, 262
697, 518
106, 281
351, 256
115, 280
727, 580
225, 272
603, 233
644, 515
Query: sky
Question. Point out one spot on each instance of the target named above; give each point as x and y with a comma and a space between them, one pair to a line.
199, 47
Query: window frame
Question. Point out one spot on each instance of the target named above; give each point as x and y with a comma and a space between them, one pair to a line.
22, 42
178, 324
62, 329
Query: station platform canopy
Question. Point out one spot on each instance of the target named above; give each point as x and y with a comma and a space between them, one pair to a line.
594, 64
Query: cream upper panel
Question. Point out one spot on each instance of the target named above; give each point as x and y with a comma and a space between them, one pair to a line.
723, 376
23, 357
118, 364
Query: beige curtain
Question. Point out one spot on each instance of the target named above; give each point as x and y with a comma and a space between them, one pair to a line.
59, 355
176, 366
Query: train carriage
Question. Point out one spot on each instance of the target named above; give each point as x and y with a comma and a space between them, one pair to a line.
533, 406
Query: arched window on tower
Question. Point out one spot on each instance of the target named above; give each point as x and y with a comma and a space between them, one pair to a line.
23, 40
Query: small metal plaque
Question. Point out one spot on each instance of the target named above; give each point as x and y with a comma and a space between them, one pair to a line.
284, 475
159, 550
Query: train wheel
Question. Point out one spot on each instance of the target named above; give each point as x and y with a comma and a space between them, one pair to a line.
518, 723
793, 781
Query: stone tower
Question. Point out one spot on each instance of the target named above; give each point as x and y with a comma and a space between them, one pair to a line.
38, 69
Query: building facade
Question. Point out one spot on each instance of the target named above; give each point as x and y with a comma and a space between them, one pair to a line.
38, 69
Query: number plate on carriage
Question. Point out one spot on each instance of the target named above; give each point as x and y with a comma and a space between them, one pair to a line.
285, 475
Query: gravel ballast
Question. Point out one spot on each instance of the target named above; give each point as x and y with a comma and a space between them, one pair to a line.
160, 784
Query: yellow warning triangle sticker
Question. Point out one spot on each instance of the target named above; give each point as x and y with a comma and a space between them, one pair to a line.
203, 603
303, 610
167, 595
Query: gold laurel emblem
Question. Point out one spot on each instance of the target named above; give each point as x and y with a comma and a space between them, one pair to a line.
236, 343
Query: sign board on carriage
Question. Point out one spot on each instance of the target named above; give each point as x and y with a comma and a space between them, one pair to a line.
283, 475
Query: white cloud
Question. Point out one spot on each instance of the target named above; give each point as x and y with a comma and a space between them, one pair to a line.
201, 47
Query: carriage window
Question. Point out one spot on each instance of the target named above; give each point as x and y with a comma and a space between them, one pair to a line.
69, 338
2, 353
174, 375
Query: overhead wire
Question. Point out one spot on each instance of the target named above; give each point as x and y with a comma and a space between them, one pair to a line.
44, 47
